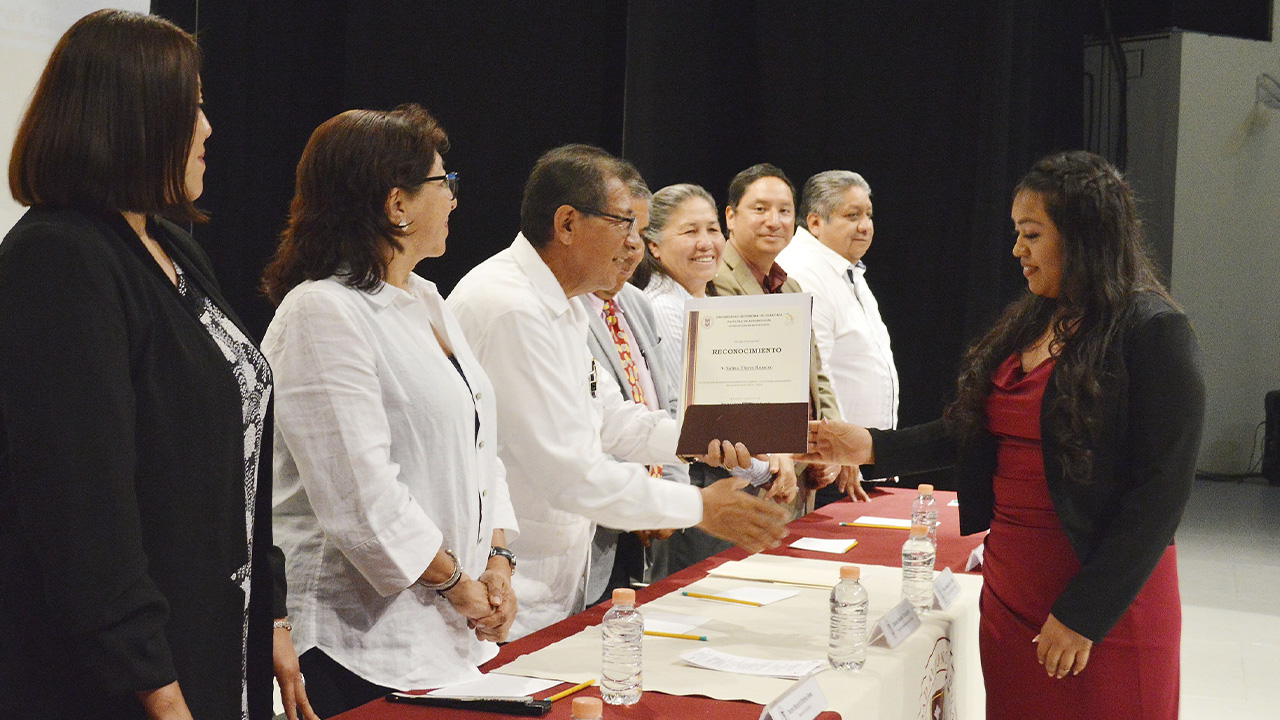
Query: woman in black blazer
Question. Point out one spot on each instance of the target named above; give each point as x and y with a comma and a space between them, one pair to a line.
1073, 437
135, 524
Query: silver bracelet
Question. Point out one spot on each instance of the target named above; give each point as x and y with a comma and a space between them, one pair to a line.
282, 623
447, 585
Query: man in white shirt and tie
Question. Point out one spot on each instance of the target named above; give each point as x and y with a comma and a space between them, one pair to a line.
826, 258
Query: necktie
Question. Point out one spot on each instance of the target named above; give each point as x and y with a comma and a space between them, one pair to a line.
620, 342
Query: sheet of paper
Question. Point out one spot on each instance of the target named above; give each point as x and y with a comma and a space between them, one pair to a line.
882, 522
747, 349
656, 621
804, 572
758, 594
710, 659
746, 372
835, 546
497, 686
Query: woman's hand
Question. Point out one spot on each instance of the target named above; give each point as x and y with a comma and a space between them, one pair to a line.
838, 442
1060, 649
470, 598
502, 601
293, 693
850, 483
821, 474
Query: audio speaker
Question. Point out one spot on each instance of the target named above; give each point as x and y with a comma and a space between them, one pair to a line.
1271, 441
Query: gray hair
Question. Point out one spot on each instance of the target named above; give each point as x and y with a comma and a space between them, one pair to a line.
665, 202
824, 191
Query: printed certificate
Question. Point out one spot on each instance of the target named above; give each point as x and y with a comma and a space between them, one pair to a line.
746, 372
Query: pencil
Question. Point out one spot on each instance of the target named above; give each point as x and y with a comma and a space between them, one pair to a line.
680, 636
872, 525
722, 599
566, 693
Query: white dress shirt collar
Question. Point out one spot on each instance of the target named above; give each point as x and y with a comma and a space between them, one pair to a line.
544, 281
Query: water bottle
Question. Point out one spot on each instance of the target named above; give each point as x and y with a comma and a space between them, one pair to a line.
924, 510
586, 708
847, 647
917, 569
622, 635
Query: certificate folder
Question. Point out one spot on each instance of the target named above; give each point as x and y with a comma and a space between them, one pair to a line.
762, 427
746, 373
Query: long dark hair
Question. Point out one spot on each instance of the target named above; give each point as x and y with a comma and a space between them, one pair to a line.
1103, 266
112, 119
338, 222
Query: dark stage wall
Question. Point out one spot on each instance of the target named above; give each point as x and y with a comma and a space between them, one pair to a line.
940, 105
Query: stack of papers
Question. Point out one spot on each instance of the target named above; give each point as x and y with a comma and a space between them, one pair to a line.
724, 662
835, 546
882, 522
496, 686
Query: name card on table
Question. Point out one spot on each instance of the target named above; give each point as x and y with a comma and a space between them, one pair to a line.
945, 589
896, 626
802, 701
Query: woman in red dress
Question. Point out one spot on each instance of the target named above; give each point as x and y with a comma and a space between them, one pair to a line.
1073, 437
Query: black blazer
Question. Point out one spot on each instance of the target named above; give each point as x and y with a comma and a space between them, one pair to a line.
122, 510
1120, 523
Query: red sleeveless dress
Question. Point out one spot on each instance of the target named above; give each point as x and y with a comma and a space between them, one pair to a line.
1133, 672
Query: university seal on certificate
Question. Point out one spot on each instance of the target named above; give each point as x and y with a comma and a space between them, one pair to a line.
746, 372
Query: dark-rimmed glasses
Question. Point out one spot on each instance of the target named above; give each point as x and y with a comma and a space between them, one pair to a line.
630, 221
450, 181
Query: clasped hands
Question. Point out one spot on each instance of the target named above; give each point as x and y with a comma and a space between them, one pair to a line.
487, 602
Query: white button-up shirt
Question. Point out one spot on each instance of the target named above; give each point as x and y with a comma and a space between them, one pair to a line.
852, 339
557, 435
378, 464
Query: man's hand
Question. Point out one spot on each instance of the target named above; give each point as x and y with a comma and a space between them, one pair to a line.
748, 522
782, 488
850, 483
838, 442
1060, 649
502, 600
284, 662
722, 453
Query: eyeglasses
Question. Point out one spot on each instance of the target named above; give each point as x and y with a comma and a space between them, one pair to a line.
450, 181
630, 221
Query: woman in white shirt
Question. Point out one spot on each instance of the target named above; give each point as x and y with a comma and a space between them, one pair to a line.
684, 244
389, 501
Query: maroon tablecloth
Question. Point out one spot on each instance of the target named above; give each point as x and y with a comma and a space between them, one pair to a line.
876, 546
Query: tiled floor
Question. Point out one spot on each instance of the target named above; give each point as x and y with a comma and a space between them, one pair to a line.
1229, 569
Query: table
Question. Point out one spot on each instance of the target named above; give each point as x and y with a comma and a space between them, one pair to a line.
876, 546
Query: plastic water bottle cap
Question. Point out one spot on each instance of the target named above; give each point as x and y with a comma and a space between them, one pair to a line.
586, 707
850, 572
624, 596
925, 489
917, 530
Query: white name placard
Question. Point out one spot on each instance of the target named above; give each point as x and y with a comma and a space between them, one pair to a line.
945, 589
897, 625
802, 701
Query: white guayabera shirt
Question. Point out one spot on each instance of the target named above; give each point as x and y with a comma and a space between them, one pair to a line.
378, 464
557, 436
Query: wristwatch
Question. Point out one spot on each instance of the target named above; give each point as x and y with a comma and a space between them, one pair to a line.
503, 552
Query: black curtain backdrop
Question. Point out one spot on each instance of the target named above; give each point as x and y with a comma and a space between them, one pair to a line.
941, 106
